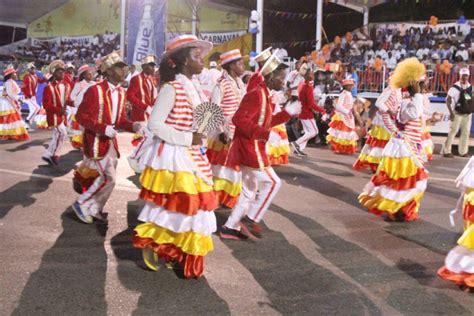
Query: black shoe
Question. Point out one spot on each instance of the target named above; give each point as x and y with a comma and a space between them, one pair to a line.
464, 156
448, 155
302, 153
251, 228
234, 234
296, 148
48, 160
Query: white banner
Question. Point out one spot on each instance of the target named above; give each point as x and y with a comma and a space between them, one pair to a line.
447, 28
57, 40
214, 37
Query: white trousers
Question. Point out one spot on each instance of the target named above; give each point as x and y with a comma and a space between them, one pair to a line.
33, 108
254, 207
99, 192
463, 122
310, 131
59, 136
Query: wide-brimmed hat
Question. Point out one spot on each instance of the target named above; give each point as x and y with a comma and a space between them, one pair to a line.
30, 65
149, 59
230, 56
84, 68
264, 55
185, 41
55, 65
69, 65
8, 71
112, 59
347, 82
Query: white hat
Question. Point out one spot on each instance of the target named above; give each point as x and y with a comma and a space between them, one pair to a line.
184, 41
270, 65
230, 56
464, 71
435, 56
30, 65
462, 46
213, 64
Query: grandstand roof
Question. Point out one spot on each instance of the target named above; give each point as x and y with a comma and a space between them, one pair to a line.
358, 5
21, 12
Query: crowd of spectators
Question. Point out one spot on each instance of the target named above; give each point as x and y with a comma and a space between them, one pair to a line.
387, 46
72, 51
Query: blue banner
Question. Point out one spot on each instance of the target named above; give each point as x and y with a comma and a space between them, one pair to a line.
145, 29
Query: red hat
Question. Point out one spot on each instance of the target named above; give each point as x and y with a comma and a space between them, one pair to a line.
84, 68
9, 71
230, 56
348, 82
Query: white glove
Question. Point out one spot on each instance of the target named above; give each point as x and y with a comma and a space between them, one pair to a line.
110, 132
293, 108
148, 110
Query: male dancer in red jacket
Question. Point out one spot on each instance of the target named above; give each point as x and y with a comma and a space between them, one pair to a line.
29, 87
253, 121
141, 93
56, 98
102, 113
308, 105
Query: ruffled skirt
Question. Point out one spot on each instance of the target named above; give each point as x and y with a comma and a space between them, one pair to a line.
227, 180
12, 125
459, 263
278, 146
397, 187
40, 119
371, 153
427, 143
178, 214
341, 138
75, 132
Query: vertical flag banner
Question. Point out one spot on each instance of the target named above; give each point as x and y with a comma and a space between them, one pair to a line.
145, 29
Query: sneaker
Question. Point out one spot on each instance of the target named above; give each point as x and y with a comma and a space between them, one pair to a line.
234, 234
296, 147
81, 214
55, 160
303, 154
101, 218
448, 155
251, 228
48, 160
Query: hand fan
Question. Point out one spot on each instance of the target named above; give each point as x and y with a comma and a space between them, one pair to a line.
208, 117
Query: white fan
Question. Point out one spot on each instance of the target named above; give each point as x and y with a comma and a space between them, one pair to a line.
208, 117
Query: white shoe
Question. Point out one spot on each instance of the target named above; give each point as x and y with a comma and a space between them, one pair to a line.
134, 165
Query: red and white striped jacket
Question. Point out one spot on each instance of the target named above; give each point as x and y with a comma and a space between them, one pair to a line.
141, 94
56, 97
30, 85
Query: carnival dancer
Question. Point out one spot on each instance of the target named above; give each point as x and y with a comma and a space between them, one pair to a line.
387, 104
102, 113
253, 121
397, 187
227, 93
56, 97
141, 94
306, 98
85, 74
29, 87
459, 263
278, 146
177, 182
12, 125
342, 136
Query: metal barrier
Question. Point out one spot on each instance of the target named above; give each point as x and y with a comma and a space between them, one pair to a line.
371, 80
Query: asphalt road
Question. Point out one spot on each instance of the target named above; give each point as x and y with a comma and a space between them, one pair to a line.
321, 253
